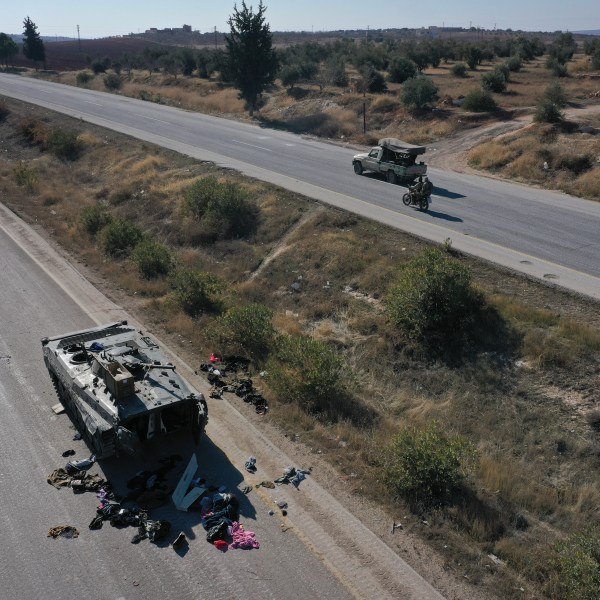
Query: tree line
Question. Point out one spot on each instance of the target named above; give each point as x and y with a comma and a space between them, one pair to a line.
251, 63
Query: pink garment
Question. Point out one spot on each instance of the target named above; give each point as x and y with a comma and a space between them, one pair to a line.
242, 538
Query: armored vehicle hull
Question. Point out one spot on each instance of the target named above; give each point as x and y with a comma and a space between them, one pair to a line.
120, 390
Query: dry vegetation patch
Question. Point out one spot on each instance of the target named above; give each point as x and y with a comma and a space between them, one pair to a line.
516, 393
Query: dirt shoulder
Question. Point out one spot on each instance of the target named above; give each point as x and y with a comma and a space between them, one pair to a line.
450, 154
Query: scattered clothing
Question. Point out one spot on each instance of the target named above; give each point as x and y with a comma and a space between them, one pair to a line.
68, 453
251, 465
80, 465
266, 484
221, 545
242, 538
293, 476
217, 532
64, 531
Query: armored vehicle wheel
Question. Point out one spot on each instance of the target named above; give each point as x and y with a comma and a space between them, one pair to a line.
424, 204
358, 168
406, 199
391, 177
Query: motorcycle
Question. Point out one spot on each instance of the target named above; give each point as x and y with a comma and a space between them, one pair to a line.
412, 198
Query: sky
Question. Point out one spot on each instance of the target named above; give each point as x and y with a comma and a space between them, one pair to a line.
111, 17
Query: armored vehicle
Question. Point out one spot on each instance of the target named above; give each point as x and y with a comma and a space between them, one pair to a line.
120, 390
393, 158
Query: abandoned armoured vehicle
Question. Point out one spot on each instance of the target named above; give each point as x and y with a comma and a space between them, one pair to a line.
120, 390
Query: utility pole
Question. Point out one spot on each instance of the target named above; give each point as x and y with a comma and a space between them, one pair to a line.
215, 37
78, 38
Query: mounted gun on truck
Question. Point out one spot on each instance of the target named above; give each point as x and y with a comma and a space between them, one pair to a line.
393, 158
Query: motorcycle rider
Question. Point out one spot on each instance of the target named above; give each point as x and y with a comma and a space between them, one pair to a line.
416, 190
426, 188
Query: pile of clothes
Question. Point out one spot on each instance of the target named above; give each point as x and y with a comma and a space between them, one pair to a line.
121, 517
218, 369
220, 519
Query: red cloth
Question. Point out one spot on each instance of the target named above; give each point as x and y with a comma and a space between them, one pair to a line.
221, 545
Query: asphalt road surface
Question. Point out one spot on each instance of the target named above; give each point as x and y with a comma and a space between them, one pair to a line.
547, 235
319, 551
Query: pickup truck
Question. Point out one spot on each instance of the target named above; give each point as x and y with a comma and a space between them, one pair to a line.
394, 159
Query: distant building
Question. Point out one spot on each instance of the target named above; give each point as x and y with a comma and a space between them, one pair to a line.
170, 30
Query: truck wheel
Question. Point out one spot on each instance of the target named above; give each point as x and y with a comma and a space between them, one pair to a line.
391, 177
358, 168
406, 199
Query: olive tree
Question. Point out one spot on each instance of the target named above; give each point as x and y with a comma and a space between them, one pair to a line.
418, 92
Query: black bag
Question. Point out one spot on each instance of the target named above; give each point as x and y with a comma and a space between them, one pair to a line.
218, 532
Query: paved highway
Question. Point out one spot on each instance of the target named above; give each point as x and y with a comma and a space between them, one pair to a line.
319, 550
545, 234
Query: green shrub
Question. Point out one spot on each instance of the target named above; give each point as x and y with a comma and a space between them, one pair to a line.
34, 131
504, 70
94, 218
459, 69
577, 163
196, 291
112, 81
401, 69
152, 258
427, 467
4, 111
433, 297
224, 209
25, 176
494, 81
120, 237
558, 68
305, 371
98, 66
83, 77
576, 566
514, 64
246, 331
418, 92
596, 60
555, 93
479, 101
64, 144
547, 112
290, 75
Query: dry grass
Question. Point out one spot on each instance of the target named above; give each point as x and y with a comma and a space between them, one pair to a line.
570, 159
534, 456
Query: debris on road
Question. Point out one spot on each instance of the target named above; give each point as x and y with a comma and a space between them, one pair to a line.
64, 531
242, 387
293, 476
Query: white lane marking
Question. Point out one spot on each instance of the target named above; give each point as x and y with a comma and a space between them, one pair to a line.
252, 145
153, 119
94, 103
